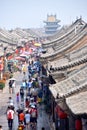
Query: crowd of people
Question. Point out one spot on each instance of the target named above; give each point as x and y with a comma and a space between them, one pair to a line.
28, 98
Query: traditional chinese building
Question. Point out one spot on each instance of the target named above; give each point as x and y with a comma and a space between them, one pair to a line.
51, 24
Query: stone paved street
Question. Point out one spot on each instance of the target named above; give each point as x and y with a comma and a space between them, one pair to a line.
4, 95
42, 120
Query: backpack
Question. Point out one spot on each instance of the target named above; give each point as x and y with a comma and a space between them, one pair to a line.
9, 115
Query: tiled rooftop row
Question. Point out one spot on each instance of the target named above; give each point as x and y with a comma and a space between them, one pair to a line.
70, 64
71, 84
68, 44
64, 33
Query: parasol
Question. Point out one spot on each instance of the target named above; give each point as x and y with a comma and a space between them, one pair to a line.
20, 58
12, 79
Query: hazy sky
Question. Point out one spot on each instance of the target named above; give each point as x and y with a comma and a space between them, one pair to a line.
32, 13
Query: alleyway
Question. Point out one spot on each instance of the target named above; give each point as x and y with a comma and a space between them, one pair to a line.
42, 120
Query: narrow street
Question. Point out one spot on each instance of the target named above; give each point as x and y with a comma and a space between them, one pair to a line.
42, 120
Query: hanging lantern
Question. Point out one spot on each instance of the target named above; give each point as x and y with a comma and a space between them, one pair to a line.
78, 124
61, 113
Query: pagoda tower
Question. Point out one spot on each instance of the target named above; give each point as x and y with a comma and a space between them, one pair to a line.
52, 24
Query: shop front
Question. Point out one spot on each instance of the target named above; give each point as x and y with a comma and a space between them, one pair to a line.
61, 119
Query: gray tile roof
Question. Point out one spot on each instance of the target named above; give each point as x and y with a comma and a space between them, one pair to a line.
78, 103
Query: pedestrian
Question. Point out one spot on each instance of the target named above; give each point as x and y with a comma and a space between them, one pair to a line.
19, 110
24, 76
24, 85
11, 102
21, 117
10, 86
27, 120
13, 86
24, 69
29, 84
10, 117
1, 127
27, 102
22, 94
33, 114
17, 97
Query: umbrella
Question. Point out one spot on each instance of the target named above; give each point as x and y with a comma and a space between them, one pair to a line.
24, 56
20, 58
12, 79
12, 60
26, 53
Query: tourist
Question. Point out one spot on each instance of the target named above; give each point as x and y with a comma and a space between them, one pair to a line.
13, 86
11, 102
10, 86
17, 97
27, 119
1, 127
10, 117
21, 117
22, 94
19, 110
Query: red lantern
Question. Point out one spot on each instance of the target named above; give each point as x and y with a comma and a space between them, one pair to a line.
61, 113
78, 124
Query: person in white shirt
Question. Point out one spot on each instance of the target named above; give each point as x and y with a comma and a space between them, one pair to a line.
11, 102
29, 84
27, 120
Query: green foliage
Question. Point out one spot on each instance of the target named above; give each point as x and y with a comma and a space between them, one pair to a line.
2, 85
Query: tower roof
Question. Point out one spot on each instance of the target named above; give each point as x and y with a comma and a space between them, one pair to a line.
52, 18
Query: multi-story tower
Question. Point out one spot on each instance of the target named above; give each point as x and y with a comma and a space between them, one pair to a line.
51, 24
